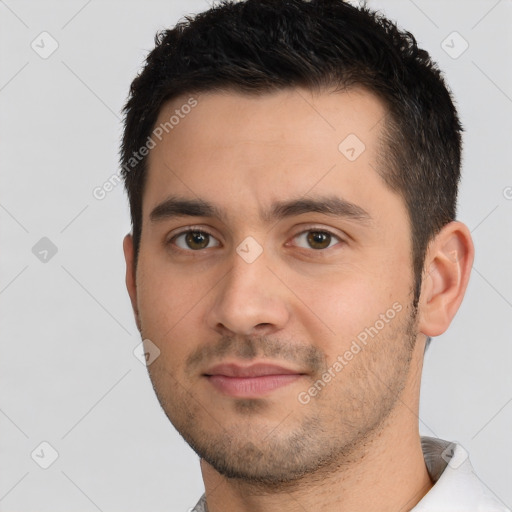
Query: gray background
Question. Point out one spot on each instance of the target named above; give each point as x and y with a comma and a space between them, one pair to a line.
68, 373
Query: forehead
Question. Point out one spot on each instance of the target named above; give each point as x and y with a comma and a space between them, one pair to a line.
254, 148
289, 116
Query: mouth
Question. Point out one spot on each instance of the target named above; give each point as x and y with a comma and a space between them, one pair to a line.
250, 381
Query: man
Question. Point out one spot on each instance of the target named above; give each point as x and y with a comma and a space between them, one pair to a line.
292, 171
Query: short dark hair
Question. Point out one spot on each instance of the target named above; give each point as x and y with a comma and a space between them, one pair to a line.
260, 46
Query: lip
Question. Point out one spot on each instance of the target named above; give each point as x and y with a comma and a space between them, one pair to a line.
254, 370
250, 381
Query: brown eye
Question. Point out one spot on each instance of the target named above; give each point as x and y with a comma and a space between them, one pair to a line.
194, 240
318, 240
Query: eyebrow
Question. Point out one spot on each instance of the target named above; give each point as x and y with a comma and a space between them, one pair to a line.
334, 206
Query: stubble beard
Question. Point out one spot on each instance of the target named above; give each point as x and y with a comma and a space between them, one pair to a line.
332, 431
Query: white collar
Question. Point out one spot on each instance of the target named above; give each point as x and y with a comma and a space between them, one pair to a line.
456, 486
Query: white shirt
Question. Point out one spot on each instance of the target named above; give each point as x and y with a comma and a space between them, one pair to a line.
456, 486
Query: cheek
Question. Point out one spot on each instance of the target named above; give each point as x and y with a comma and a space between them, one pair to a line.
165, 320
172, 303
335, 310
165, 304
165, 291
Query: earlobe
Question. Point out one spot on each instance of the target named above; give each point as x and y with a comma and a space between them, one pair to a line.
447, 268
131, 283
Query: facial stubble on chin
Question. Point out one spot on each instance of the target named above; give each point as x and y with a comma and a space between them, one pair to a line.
328, 433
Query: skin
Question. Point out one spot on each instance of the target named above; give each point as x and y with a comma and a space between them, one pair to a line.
297, 304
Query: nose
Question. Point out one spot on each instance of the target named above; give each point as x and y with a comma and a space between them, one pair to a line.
249, 300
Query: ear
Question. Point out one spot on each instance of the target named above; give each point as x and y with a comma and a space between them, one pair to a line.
446, 272
131, 283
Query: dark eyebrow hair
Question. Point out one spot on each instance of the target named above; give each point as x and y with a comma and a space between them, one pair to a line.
328, 205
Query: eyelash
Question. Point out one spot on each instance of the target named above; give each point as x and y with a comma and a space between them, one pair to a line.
206, 232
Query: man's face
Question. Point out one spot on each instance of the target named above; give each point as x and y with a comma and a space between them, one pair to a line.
325, 296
